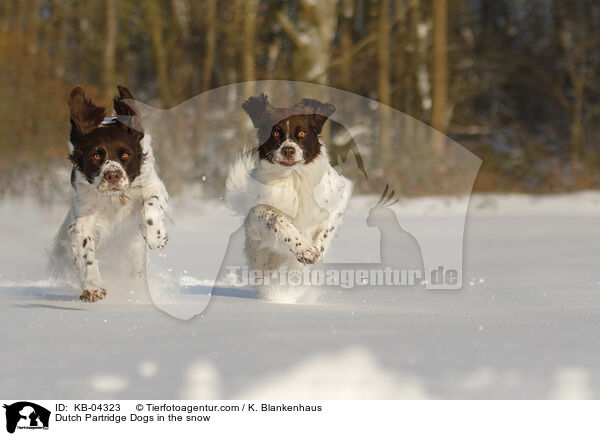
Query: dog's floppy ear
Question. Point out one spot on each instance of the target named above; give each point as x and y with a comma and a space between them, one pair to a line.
85, 115
257, 109
320, 111
128, 113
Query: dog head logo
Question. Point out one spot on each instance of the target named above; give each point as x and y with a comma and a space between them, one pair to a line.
26, 415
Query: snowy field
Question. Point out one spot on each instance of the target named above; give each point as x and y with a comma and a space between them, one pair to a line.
526, 323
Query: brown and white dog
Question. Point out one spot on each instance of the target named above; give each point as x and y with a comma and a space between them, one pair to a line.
291, 196
117, 194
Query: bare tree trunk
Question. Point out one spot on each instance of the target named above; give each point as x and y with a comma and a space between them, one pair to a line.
576, 59
182, 18
211, 43
423, 84
312, 34
577, 125
31, 28
399, 68
346, 44
384, 92
273, 61
440, 73
155, 29
233, 40
5, 15
58, 34
248, 46
19, 17
110, 43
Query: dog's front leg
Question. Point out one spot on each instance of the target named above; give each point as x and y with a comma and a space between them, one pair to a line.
83, 245
156, 205
269, 223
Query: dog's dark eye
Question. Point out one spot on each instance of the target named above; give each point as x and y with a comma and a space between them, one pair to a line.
97, 156
302, 134
276, 133
124, 155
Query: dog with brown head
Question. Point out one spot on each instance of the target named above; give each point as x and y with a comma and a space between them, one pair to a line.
292, 198
288, 136
119, 202
106, 153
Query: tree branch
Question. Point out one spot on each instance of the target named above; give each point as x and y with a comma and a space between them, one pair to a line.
290, 30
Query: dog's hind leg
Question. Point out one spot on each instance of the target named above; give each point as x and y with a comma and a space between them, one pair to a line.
329, 227
59, 256
137, 254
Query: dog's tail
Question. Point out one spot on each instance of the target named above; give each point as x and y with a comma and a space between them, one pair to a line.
237, 181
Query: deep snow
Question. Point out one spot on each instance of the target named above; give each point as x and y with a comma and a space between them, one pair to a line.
524, 325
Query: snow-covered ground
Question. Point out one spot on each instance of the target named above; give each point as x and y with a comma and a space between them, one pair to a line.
525, 325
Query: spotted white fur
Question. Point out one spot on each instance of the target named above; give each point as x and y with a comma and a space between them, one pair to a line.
133, 218
292, 214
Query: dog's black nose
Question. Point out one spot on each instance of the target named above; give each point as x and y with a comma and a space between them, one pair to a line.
112, 177
288, 152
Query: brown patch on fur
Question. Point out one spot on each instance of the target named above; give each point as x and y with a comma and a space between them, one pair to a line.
110, 142
85, 115
308, 115
93, 295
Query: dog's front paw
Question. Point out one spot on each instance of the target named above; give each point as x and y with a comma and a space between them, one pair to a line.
92, 294
309, 256
156, 234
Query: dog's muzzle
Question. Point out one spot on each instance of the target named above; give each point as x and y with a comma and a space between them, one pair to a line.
112, 179
289, 154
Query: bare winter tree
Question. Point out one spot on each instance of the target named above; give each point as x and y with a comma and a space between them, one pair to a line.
312, 34
249, 45
523, 93
384, 90
577, 45
211, 43
154, 21
110, 45
439, 62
